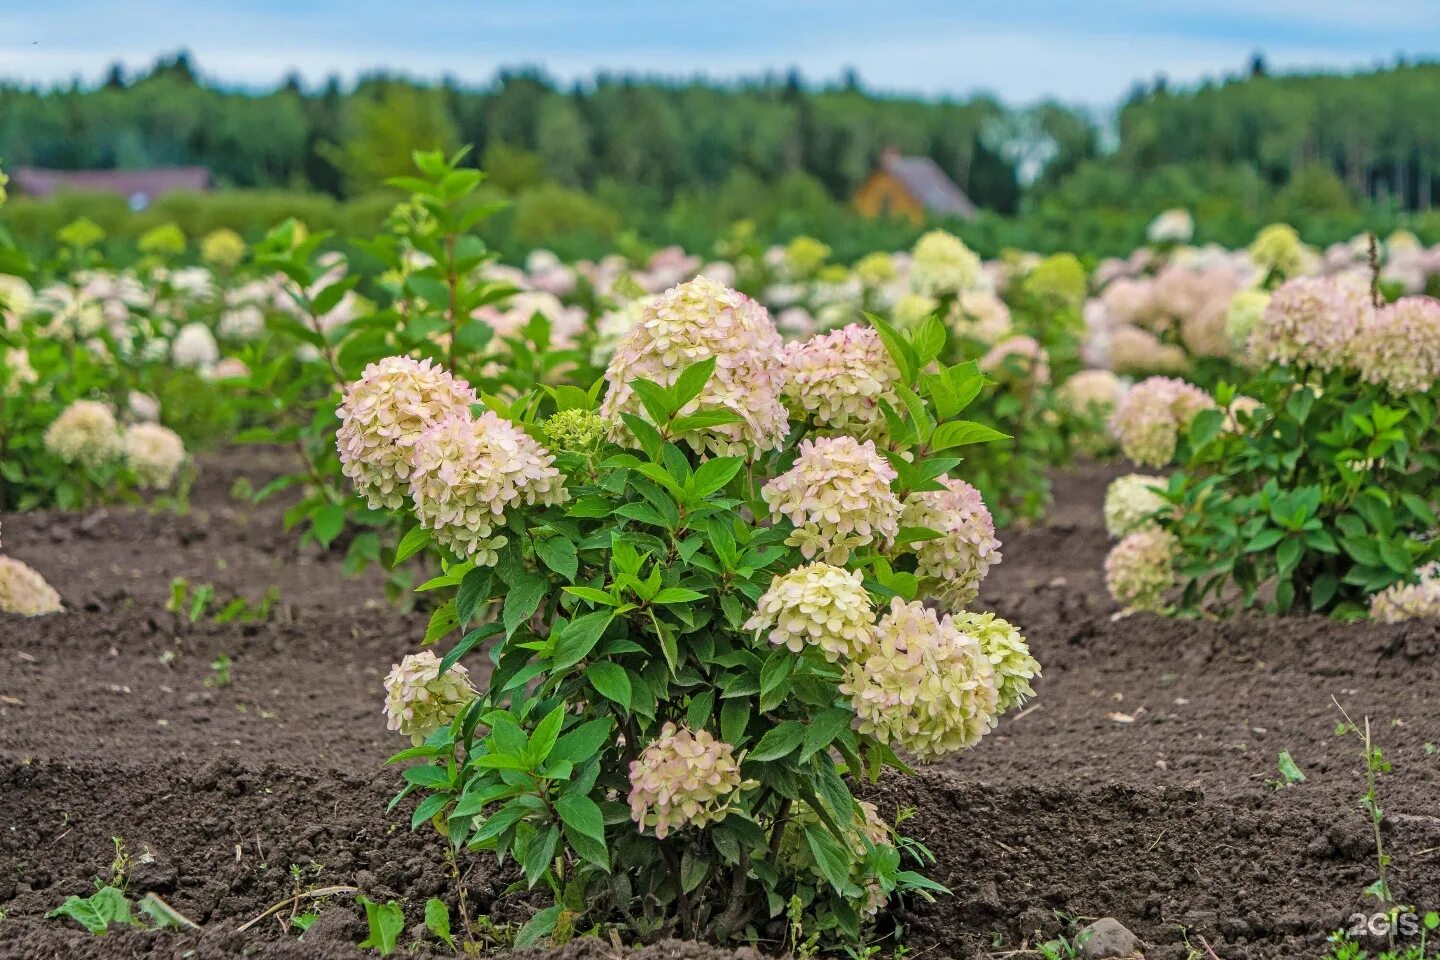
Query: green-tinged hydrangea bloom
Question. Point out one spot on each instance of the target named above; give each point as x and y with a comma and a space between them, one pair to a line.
683, 778
1060, 277
838, 497
805, 255
466, 473
692, 322
574, 430
1246, 308
817, 604
384, 413
419, 701
1140, 569
911, 309
923, 686
1278, 248
876, 269
164, 240
941, 264
951, 566
1009, 654
85, 433
24, 591
1131, 501
223, 247
838, 379
154, 452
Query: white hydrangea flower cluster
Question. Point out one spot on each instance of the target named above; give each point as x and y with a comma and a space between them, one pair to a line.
838, 379
1140, 569
1018, 360
1409, 601
951, 566
1399, 345
24, 591
85, 433
419, 701
194, 346
980, 315
683, 778
1091, 393
817, 604
1171, 226
1131, 501
1150, 418
1312, 321
838, 497
1008, 653
154, 452
692, 322
923, 685
384, 413
467, 472
941, 264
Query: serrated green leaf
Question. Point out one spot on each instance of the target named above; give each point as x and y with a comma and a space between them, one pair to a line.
611, 681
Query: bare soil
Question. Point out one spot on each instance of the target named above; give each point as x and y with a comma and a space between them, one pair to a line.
1141, 784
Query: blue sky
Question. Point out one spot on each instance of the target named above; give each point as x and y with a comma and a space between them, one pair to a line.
1084, 51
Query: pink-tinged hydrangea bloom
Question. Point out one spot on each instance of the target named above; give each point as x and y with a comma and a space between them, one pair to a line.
1008, 653
817, 604
1135, 351
1091, 393
923, 686
85, 433
838, 497
839, 378
951, 566
1129, 301
1017, 359
154, 452
1409, 601
384, 413
24, 591
980, 315
1149, 420
683, 778
692, 322
941, 264
419, 701
466, 473
1140, 569
1311, 321
1399, 346
1132, 501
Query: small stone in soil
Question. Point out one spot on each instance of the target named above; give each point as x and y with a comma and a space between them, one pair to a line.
1107, 937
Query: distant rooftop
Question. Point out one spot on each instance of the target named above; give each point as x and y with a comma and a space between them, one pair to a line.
138, 187
926, 182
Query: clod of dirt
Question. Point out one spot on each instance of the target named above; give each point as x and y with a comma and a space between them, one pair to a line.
1107, 937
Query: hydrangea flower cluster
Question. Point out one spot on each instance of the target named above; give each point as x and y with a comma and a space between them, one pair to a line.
838, 497
1130, 502
1091, 393
384, 413
85, 433
1311, 321
1005, 647
692, 322
923, 685
1017, 359
683, 778
468, 472
1140, 569
1399, 345
817, 604
1135, 351
1149, 420
574, 429
980, 315
154, 452
1171, 226
195, 346
838, 378
951, 566
1278, 249
24, 591
1245, 310
419, 701
1409, 601
941, 264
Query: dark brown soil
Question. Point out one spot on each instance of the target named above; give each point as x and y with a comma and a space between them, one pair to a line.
1140, 784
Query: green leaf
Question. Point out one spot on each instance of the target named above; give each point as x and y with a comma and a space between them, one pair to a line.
1206, 427
547, 732
691, 381
677, 595
583, 742
417, 539
559, 555
386, 924
583, 815
162, 915
579, 638
444, 619
539, 854
540, 925
779, 741
829, 857
823, 730
702, 420
657, 401
714, 474
437, 920
523, 599
474, 590
900, 351
611, 681
96, 912
959, 433
734, 717
327, 522
1288, 768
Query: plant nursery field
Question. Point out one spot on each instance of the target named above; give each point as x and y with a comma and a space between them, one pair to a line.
1140, 784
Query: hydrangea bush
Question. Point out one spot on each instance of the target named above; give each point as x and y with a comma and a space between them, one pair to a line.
1313, 485
699, 616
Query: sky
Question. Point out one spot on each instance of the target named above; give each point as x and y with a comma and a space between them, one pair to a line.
1078, 51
